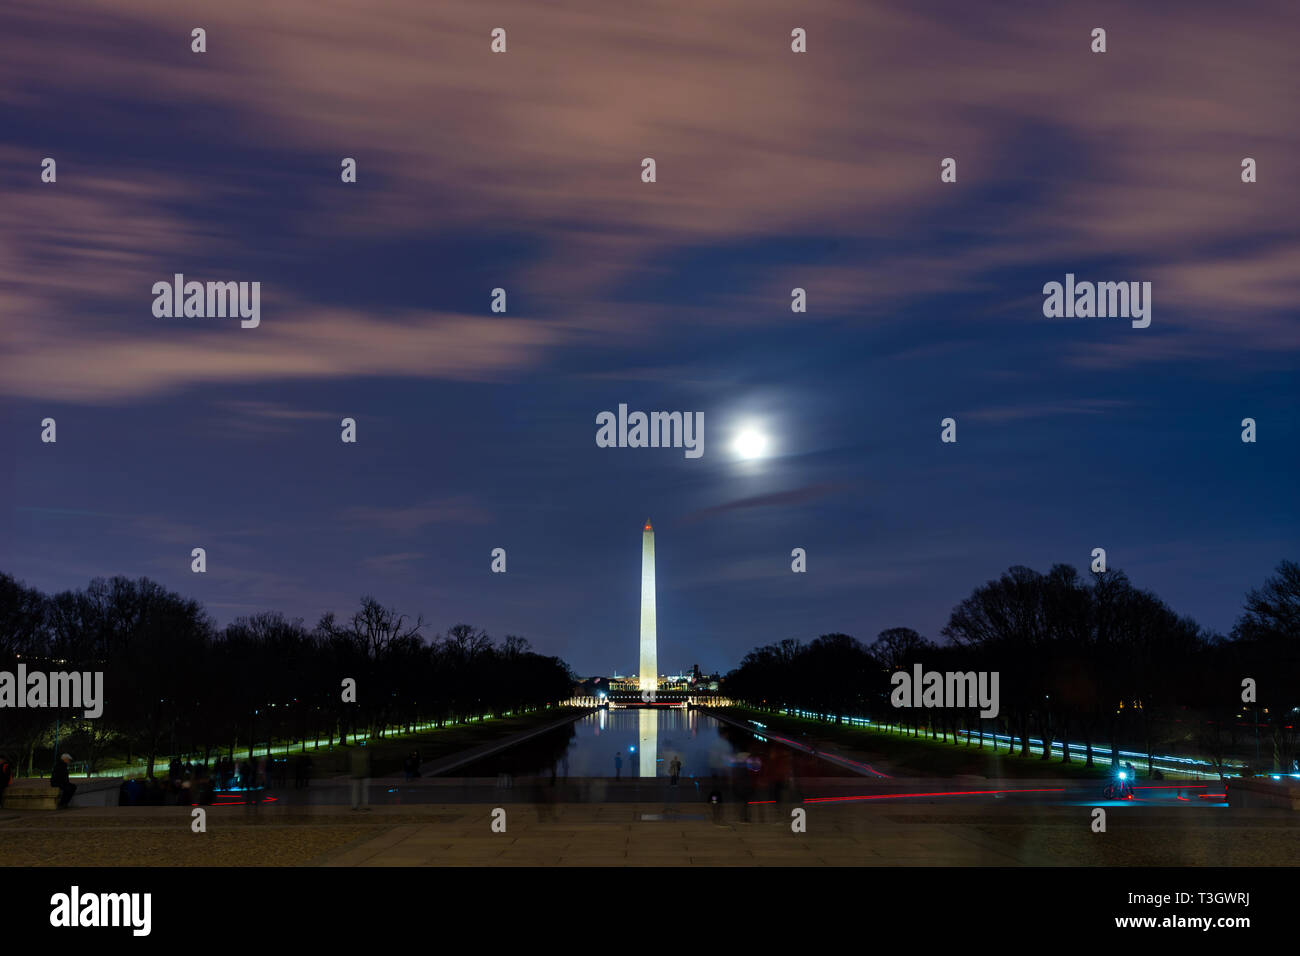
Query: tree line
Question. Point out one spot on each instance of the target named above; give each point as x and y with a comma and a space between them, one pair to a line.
1091, 661
177, 684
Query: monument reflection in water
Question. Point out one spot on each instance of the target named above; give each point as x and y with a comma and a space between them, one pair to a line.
645, 739
648, 731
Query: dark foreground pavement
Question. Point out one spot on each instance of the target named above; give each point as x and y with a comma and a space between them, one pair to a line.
849, 833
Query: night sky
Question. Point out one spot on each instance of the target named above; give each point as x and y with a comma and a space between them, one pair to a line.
523, 171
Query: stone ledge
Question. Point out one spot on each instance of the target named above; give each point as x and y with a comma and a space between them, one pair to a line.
1255, 792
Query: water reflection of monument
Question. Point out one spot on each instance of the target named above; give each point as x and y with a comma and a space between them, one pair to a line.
648, 741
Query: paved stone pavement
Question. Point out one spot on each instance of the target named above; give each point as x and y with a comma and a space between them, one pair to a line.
644, 835
842, 835
651, 834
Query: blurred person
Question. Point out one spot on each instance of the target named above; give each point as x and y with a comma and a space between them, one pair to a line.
542, 797
360, 777
59, 779
742, 786
6, 776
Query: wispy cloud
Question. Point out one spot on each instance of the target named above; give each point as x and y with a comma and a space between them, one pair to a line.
1139, 164
148, 527
456, 510
778, 499
1010, 413
390, 562
273, 410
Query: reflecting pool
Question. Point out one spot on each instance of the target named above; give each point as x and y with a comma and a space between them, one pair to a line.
645, 742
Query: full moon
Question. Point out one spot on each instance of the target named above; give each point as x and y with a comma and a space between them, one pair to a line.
750, 444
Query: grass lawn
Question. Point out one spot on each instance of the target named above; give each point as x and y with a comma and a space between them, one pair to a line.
387, 753
923, 757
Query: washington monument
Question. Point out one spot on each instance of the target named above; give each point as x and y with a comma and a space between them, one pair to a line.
648, 675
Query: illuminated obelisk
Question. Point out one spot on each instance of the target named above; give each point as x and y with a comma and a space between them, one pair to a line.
648, 675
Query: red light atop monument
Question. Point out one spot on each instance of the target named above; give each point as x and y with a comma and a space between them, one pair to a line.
647, 525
